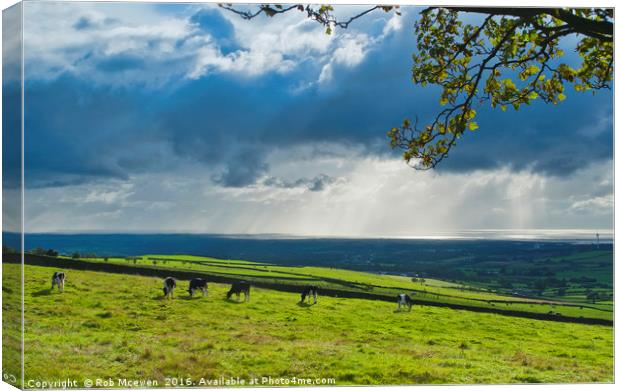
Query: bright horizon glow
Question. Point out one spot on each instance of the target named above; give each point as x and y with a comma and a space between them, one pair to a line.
482, 234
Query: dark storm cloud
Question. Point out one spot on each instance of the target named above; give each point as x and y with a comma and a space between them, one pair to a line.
82, 23
85, 23
120, 63
75, 132
318, 183
243, 170
212, 22
551, 140
80, 131
11, 134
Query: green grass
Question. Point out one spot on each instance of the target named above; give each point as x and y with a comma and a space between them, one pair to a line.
90, 331
11, 323
431, 291
562, 271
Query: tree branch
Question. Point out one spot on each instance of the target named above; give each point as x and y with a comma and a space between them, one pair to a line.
602, 29
321, 15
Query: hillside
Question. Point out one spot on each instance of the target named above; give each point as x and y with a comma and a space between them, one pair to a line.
131, 332
339, 282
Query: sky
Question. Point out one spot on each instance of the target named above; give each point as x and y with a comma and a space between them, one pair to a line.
186, 118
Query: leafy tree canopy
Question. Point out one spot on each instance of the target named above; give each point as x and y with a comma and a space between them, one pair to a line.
509, 58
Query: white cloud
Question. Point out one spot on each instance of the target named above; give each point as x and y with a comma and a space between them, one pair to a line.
282, 50
243, 62
352, 50
109, 196
594, 205
99, 42
54, 42
394, 24
349, 53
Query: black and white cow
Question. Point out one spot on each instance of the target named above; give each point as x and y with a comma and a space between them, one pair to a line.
169, 284
197, 283
59, 279
310, 290
239, 287
404, 300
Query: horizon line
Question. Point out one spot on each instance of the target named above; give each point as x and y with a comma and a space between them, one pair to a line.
472, 234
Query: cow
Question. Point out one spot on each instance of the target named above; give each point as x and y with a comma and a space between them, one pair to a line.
169, 284
239, 287
59, 279
310, 290
404, 300
197, 283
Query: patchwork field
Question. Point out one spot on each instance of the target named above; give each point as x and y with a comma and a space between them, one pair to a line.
426, 290
94, 331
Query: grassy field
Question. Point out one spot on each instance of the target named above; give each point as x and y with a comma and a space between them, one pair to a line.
92, 331
567, 277
427, 290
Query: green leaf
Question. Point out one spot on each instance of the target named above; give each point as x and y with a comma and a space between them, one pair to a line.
472, 126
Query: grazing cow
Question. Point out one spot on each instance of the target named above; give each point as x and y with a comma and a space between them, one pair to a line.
239, 287
404, 300
310, 290
59, 279
197, 283
169, 284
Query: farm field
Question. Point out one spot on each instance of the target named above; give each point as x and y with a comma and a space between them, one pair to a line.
131, 332
426, 290
575, 272
570, 276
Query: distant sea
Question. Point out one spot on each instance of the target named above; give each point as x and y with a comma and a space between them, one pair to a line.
291, 249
